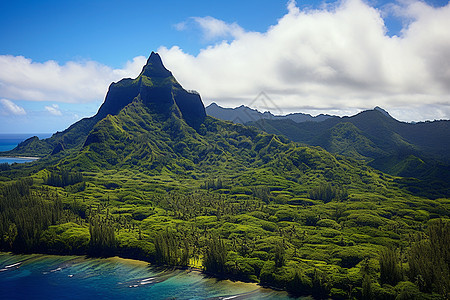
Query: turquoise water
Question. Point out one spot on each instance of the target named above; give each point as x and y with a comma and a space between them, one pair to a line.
75, 277
9, 141
19, 160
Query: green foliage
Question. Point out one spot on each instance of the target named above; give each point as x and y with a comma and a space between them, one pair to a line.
407, 290
390, 271
429, 259
143, 183
171, 250
102, 236
279, 255
367, 292
327, 193
63, 178
215, 255
299, 285
397, 148
214, 184
25, 214
328, 223
66, 238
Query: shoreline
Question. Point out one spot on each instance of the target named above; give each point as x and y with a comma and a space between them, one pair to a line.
142, 273
143, 263
21, 157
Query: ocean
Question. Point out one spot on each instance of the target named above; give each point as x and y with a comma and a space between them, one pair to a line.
9, 141
76, 277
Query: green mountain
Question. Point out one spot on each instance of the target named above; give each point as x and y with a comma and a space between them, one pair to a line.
155, 87
244, 114
418, 150
150, 176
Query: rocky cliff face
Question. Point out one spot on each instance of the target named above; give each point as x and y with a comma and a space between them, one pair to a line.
157, 88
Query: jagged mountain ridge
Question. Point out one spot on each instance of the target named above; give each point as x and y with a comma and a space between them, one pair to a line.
418, 150
156, 87
399, 148
244, 114
380, 133
384, 132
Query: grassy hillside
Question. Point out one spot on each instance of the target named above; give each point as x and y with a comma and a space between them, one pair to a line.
402, 149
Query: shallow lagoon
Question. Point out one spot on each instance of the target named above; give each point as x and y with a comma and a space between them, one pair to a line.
76, 277
19, 160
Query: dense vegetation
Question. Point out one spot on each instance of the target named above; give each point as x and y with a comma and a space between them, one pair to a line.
417, 150
231, 200
258, 208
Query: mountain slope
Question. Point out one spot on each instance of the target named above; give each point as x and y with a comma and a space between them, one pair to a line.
417, 150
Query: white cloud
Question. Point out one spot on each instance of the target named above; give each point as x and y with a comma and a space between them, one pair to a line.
333, 58
181, 26
10, 108
212, 28
21, 78
54, 110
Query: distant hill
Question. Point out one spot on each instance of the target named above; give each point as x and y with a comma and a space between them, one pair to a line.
244, 114
419, 150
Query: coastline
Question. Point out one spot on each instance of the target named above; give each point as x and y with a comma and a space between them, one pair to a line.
13, 160
21, 157
143, 263
67, 268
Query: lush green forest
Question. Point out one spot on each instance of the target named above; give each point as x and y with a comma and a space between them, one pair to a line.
410, 150
229, 199
305, 220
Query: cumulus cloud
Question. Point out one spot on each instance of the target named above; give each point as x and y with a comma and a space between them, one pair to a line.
23, 79
334, 58
337, 58
54, 110
212, 28
10, 108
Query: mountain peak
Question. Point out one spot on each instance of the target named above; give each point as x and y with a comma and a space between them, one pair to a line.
155, 67
384, 112
156, 88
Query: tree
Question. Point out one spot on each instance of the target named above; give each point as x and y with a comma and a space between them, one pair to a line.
327, 192
429, 259
279, 255
390, 271
103, 239
171, 249
367, 292
215, 255
11, 235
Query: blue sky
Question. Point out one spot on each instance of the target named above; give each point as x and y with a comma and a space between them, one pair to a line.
57, 58
113, 32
